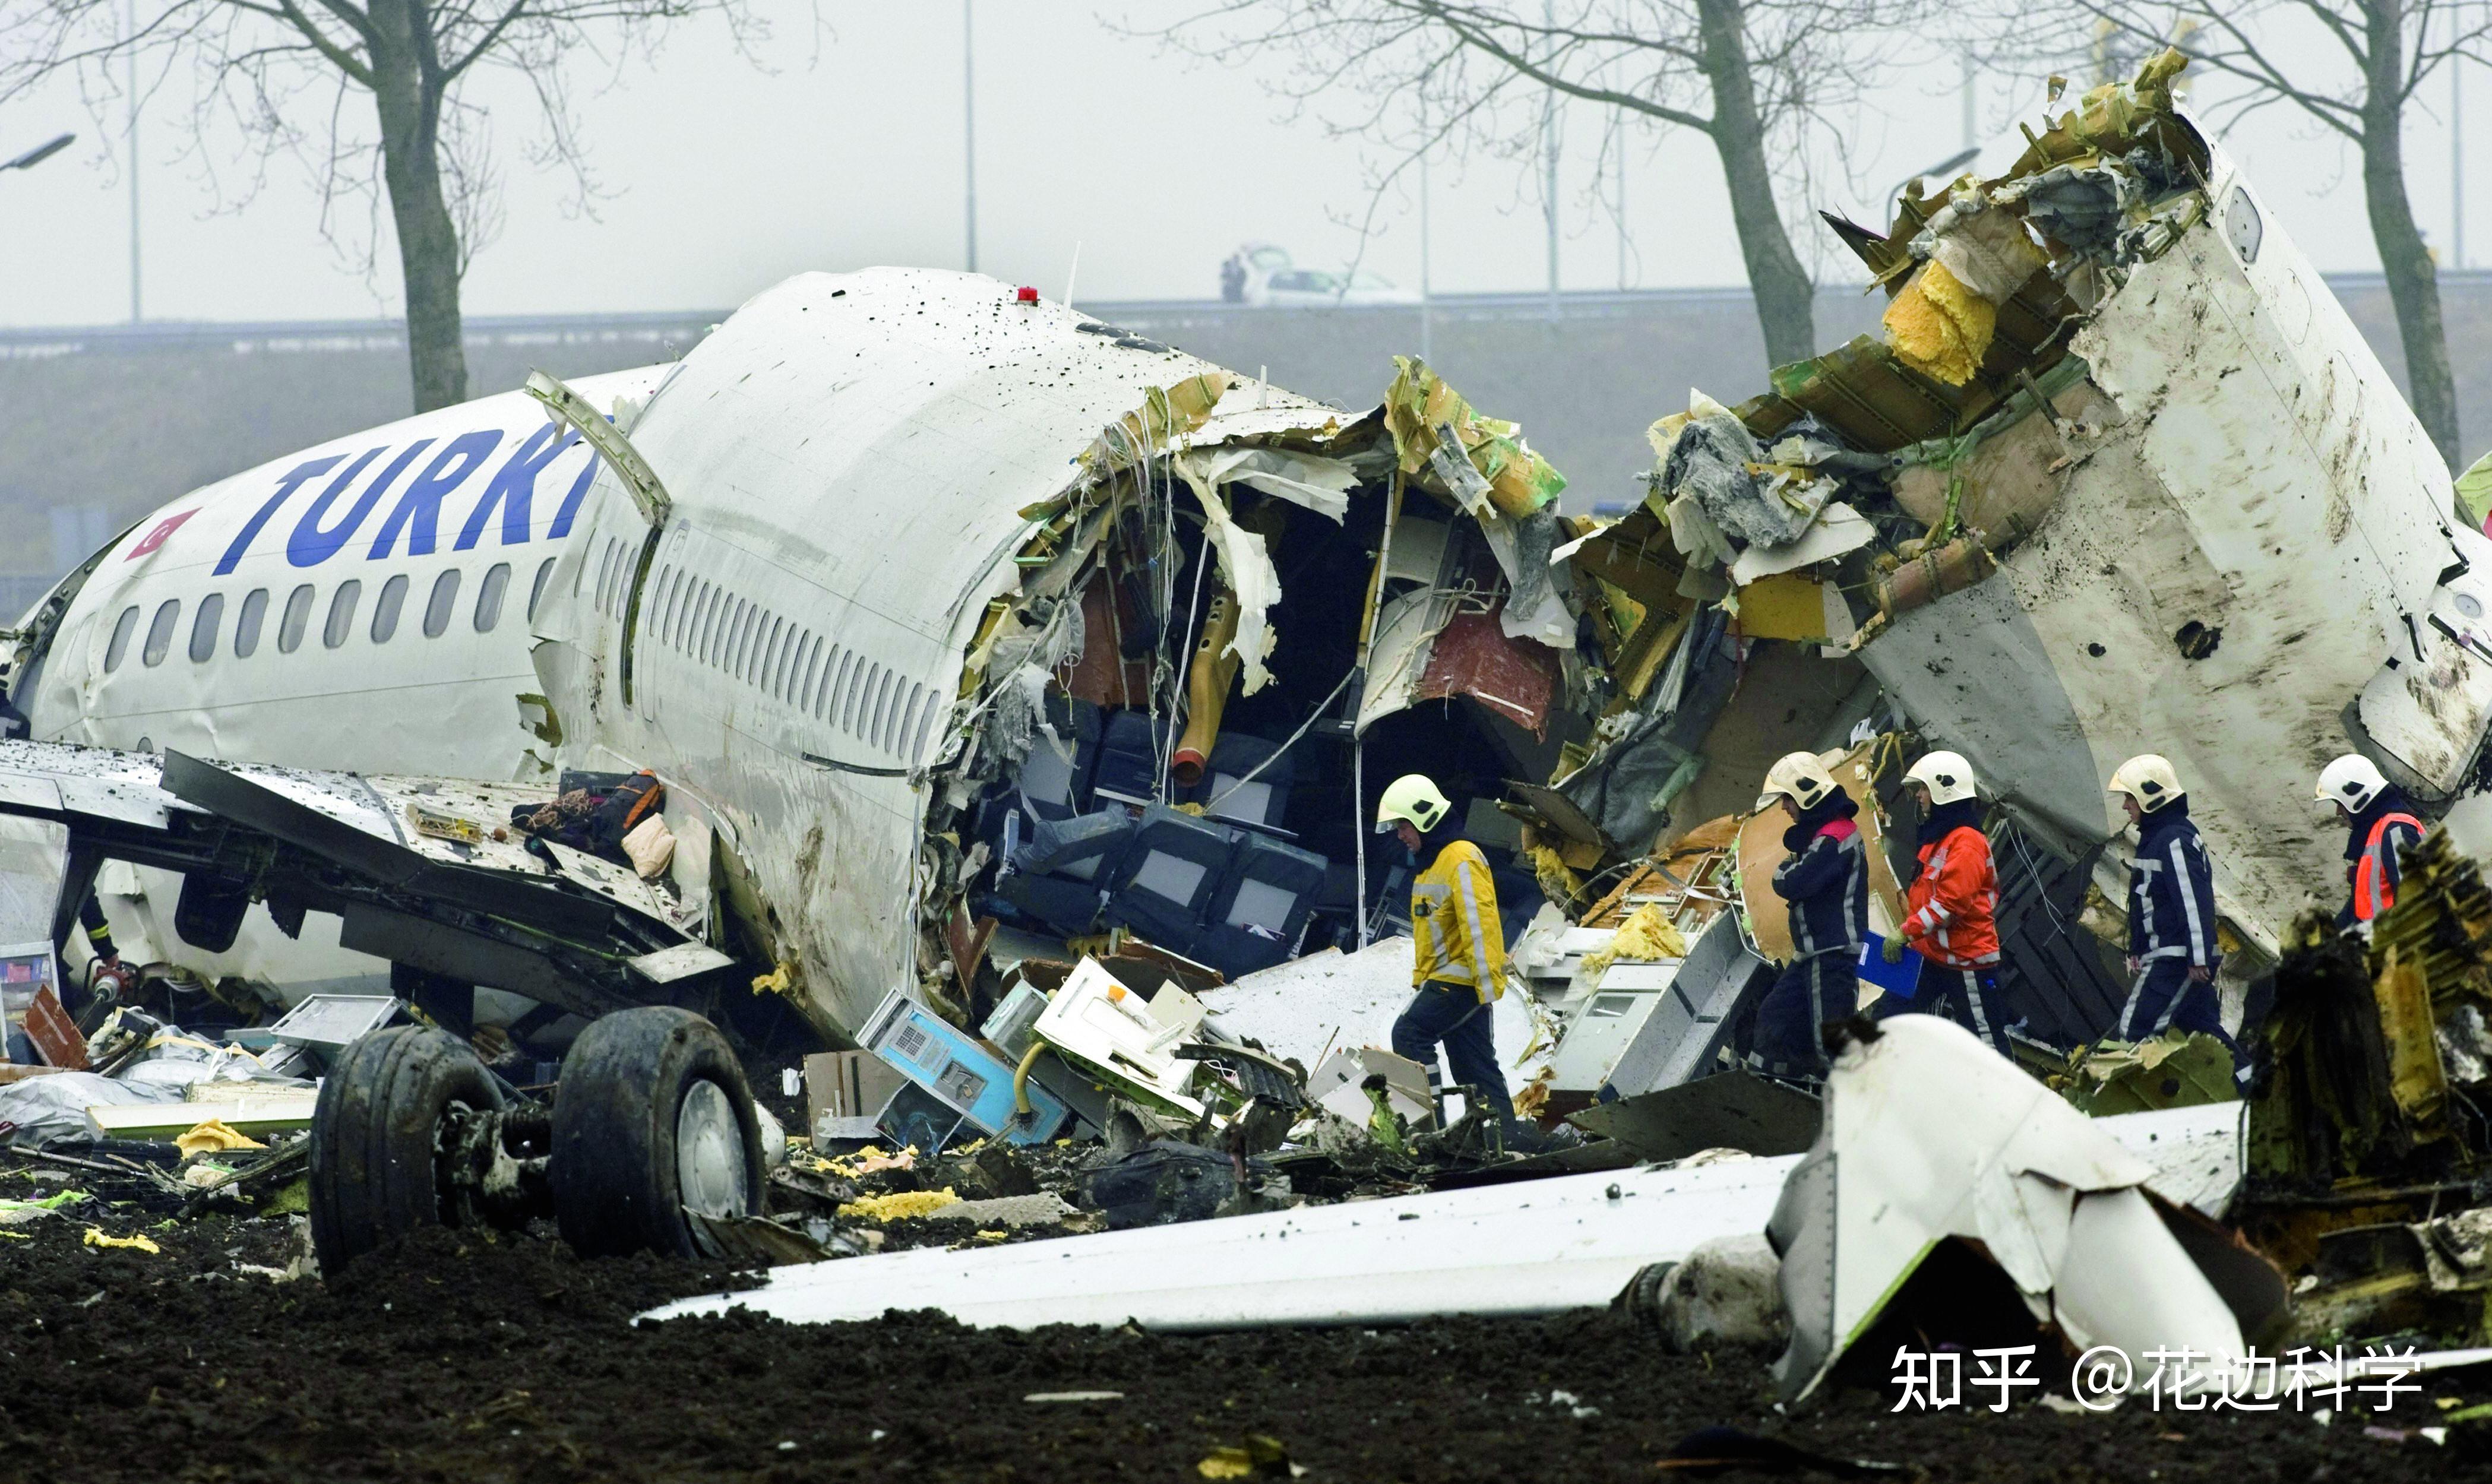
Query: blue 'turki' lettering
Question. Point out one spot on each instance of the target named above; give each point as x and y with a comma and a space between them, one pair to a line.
418, 511
514, 486
287, 483
310, 546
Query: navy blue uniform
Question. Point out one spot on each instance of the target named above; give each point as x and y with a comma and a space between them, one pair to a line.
1826, 882
2171, 931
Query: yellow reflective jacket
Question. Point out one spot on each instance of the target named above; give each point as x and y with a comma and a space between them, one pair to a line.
1453, 918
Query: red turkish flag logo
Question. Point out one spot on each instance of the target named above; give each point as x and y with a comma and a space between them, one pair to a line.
156, 538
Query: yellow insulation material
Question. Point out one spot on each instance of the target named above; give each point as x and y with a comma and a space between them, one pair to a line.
1420, 403
215, 1135
1645, 938
899, 1204
1941, 328
867, 1161
1556, 882
779, 981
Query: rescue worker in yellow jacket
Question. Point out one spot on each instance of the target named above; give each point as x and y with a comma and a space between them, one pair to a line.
1459, 966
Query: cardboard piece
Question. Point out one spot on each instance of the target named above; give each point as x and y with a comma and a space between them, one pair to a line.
1761, 850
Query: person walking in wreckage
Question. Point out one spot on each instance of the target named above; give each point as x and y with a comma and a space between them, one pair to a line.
2171, 947
1827, 882
1950, 909
2380, 822
1458, 967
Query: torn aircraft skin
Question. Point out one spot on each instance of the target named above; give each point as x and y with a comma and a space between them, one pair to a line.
971, 607
918, 595
2225, 539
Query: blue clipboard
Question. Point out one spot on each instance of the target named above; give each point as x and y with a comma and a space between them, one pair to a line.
1902, 980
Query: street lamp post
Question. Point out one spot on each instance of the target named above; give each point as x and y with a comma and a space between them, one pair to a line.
970, 132
40, 152
130, 64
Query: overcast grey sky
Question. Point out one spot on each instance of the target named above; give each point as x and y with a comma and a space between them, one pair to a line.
726, 179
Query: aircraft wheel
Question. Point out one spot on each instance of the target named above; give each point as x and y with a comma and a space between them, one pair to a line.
388, 1114
652, 1116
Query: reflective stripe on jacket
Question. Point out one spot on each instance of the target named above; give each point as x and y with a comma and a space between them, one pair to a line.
1951, 908
1454, 922
2377, 874
2172, 893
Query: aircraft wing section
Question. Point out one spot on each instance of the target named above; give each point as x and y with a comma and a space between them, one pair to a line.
427, 873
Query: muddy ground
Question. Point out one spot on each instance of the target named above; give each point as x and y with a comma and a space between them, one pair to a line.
462, 1359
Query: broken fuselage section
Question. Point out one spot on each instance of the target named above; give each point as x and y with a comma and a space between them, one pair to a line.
2120, 477
958, 611
931, 605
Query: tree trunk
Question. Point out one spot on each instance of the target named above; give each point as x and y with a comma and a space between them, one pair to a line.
406, 91
2414, 282
1786, 298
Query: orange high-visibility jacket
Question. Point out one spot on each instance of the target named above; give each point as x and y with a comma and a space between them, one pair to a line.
2375, 875
1950, 910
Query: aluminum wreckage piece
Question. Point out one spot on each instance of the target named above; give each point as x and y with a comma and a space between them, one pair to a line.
2119, 477
1929, 1137
1020, 654
1564, 1242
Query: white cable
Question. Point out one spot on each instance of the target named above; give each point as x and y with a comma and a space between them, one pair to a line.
1257, 770
1193, 623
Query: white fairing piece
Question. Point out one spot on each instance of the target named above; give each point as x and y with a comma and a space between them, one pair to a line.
1567, 1242
1563, 1243
2262, 490
1930, 1135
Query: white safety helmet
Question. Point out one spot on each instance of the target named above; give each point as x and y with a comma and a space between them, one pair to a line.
1413, 797
1800, 778
2146, 777
1946, 775
2350, 781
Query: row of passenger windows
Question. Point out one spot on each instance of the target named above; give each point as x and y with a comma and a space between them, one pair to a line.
870, 701
207, 620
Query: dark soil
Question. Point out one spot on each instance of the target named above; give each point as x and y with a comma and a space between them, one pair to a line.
456, 1358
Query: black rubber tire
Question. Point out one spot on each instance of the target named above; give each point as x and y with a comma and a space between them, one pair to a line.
374, 1175
614, 1171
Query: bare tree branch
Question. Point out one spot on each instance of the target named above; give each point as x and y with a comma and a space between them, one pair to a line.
1768, 82
281, 71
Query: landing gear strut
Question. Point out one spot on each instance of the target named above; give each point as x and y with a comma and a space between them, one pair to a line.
652, 1125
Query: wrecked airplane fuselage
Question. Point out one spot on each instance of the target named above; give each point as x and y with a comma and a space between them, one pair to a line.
2121, 478
930, 603
2252, 562
946, 616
